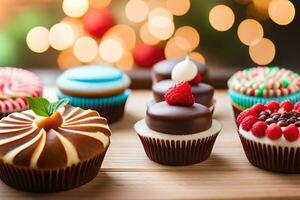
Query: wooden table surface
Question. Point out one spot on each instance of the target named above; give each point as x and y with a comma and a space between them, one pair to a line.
127, 173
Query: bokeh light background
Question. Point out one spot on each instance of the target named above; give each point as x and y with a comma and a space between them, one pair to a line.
226, 34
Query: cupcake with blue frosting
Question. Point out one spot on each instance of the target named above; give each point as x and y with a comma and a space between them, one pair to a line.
101, 88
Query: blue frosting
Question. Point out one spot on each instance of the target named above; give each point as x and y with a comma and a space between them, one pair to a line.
92, 78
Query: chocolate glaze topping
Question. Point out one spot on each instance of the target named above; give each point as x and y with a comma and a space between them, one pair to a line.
82, 135
178, 120
162, 70
202, 92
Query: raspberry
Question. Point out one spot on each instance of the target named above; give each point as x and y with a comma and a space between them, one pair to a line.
244, 114
274, 132
286, 106
258, 108
291, 133
297, 106
258, 129
196, 80
248, 122
273, 106
180, 94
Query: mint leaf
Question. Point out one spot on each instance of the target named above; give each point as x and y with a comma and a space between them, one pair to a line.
39, 105
52, 107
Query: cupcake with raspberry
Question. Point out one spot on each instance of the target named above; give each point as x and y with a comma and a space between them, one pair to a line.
270, 136
178, 131
261, 85
15, 85
186, 70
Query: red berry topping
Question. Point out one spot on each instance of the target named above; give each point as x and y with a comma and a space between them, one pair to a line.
291, 133
180, 94
244, 114
258, 129
297, 106
274, 132
248, 122
286, 106
196, 80
273, 106
258, 108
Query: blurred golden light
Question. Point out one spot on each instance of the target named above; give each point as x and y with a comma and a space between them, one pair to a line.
66, 59
155, 4
160, 23
173, 50
61, 36
126, 62
75, 8
178, 7
250, 30
262, 51
282, 12
136, 10
37, 39
252, 12
221, 17
76, 26
110, 50
198, 57
261, 6
99, 3
183, 43
124, 34
190, 34
146, 36
85, 49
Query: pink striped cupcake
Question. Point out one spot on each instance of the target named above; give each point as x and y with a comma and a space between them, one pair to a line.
15, 85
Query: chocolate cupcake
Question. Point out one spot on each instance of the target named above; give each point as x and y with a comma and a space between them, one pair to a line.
52, 147
163, 69
270, 136
186, 70
261, 85
178, 131
15, 85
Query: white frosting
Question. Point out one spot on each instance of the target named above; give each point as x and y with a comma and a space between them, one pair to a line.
185, 70
142, 129
265, 140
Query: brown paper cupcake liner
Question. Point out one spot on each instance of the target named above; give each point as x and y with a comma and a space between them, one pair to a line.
52, 180
112, 113
271, 157
177, 153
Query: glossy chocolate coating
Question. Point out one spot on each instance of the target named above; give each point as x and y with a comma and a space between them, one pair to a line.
202, 92
163, 69
178, 120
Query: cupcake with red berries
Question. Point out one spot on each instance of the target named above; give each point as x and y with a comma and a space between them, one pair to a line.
186, 70
261, 85
178, 131
270, 136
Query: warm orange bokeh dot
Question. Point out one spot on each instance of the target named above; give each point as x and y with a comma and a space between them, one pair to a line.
85, 49
76, 26
126, 62
252, 12
136, 10
198, 57
282, 12
178, 7
261, 7
173, 50
99, 3
221, 17
124, 33
262, 51
190, 34
66, 59
146, 36
250, 30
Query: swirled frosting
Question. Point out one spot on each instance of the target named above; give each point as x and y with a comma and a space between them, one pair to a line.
82, 135
265, 82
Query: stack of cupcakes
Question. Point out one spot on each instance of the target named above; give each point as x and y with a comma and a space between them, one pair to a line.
261, 85
101, 88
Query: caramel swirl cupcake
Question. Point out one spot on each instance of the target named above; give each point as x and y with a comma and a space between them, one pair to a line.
261, 85
52, 147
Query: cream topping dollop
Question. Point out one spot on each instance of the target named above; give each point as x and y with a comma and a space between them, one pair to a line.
185, 70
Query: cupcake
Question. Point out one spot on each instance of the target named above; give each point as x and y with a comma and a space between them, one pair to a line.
261, 85
52, 147
163, 69
178, 131
186, 70
101, 88
15, 85
270, 136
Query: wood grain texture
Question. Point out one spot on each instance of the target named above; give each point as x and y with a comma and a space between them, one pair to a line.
128, 174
